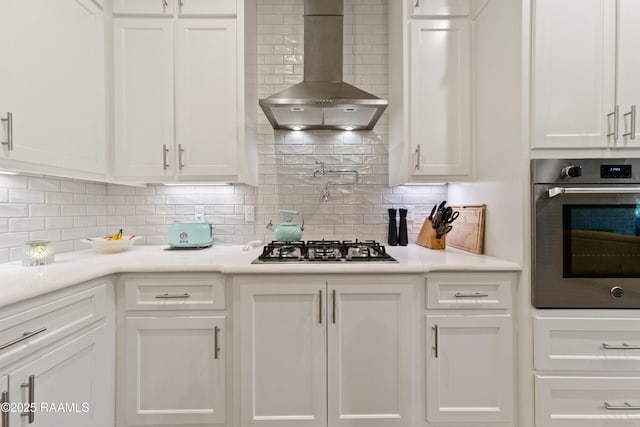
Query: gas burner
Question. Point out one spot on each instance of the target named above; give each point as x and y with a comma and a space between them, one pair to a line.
325, 251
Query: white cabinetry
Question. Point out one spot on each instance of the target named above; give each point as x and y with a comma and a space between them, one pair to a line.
586, 368
179, 98
61, 363
172, 335
469, 350
584, 68
52, 95
430, 96
317, 351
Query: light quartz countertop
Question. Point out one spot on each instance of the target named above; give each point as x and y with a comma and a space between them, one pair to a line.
18, 283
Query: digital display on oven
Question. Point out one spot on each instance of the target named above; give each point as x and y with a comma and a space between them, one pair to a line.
615, 171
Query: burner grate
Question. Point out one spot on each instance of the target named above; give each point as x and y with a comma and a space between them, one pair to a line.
325, 251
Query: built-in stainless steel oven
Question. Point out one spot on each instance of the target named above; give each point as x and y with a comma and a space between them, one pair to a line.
586, 233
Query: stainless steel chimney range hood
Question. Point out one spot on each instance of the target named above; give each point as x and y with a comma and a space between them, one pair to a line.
323, 100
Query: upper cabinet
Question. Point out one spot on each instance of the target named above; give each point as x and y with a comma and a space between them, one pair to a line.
169, 7
179, 93
52, 88
430, 92
584, 74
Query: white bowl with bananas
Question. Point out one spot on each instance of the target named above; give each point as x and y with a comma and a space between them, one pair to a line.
111, 244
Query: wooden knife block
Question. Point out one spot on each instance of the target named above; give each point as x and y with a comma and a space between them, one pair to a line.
427, 237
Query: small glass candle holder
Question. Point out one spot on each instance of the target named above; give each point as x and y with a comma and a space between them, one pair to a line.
37, 252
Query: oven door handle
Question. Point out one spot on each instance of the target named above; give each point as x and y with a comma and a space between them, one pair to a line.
557, 191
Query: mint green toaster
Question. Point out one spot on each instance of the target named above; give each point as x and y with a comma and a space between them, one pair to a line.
186, 234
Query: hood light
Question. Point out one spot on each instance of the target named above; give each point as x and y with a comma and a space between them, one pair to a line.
349, 128
297, 109
296, 127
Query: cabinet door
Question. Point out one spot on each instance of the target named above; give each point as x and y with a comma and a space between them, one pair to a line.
143, 99
207, 7
440, 98
70, 384
283, 354
53, 61
573, 73
369, 355
143, 7
469, 369
175, 370
628, 70
206, 97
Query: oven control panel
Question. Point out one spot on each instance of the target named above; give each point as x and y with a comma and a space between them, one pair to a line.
615, 171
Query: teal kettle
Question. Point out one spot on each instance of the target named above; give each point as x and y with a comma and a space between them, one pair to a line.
288, 231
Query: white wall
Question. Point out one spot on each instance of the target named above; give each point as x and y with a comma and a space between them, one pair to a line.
501, 167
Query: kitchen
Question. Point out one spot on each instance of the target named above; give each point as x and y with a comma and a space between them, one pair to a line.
67, 208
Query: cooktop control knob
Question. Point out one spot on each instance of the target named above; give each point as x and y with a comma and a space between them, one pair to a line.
616, 292
571, 171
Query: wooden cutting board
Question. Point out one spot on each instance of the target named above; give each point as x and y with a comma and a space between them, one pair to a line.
468, 229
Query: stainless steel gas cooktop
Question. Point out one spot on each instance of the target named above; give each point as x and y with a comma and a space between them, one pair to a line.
324, 251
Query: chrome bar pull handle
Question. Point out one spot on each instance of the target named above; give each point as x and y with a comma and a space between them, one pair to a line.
180, 152
470, 295
165, 150
625, 407
24, 336
165, 3
417, 4
632, 123
624, 346
333, 303
180, 4
557, 191
216, 348
613, 133
30, 385
4, 410
320, 306
9, 141
173, 296
435, 341
417, 164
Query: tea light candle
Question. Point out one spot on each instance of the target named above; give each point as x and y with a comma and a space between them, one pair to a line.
37, 252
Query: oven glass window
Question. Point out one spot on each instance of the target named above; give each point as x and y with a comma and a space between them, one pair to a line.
601, 240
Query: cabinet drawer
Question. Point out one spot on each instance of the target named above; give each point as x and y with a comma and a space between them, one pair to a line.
587, 343
38, 324
175, 293
458, 290
587, 401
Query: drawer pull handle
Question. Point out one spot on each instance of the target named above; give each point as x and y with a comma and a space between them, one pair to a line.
620, 347
470, 295
24, 336
30, 385
173, 296
625, 407
4, 416
216, 332
435, 341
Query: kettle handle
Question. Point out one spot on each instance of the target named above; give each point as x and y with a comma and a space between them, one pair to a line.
288, 212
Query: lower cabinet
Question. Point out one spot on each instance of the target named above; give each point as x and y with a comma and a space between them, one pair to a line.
587, 364
175, 371
57, 359
172, 350
64, 386
469, 355
469, 368
326, 351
